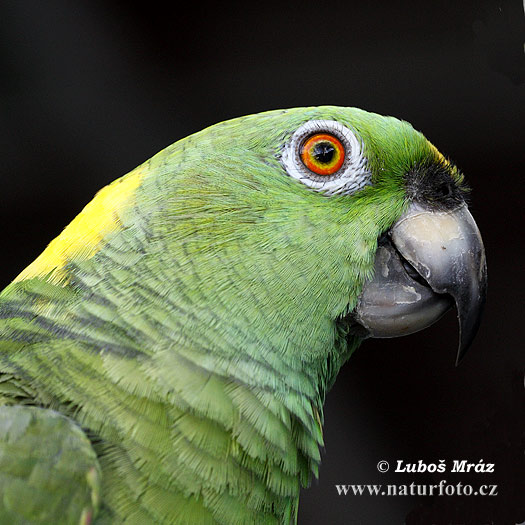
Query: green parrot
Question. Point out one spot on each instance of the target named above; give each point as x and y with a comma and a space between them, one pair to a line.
166, 358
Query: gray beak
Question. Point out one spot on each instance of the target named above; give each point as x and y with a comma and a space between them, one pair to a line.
428, 261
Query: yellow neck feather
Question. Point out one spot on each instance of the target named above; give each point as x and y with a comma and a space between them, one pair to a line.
84, 236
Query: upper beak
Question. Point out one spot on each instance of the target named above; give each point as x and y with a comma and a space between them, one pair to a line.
429, 259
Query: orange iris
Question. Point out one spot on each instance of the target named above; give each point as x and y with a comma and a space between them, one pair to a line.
323, 154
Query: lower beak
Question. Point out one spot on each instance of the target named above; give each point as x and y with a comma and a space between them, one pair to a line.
428, 261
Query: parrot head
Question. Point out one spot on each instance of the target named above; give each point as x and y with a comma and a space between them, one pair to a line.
329, 219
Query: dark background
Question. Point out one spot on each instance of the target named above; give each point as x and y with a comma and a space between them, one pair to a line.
91, 89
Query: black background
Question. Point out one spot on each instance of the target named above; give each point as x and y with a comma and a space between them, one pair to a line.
89, 90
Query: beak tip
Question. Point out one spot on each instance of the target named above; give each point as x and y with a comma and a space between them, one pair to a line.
465, 341
461, 354
469, 321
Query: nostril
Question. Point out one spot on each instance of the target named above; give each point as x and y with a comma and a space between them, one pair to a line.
445, 190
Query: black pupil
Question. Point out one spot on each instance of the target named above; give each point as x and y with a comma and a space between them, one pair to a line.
323, 152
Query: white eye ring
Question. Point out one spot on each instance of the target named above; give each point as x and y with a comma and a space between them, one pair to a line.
351, 177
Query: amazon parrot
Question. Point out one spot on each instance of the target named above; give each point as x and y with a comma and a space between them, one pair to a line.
166, 358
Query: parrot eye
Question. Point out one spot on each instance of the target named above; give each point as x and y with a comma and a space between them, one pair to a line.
326, 156
323, 154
